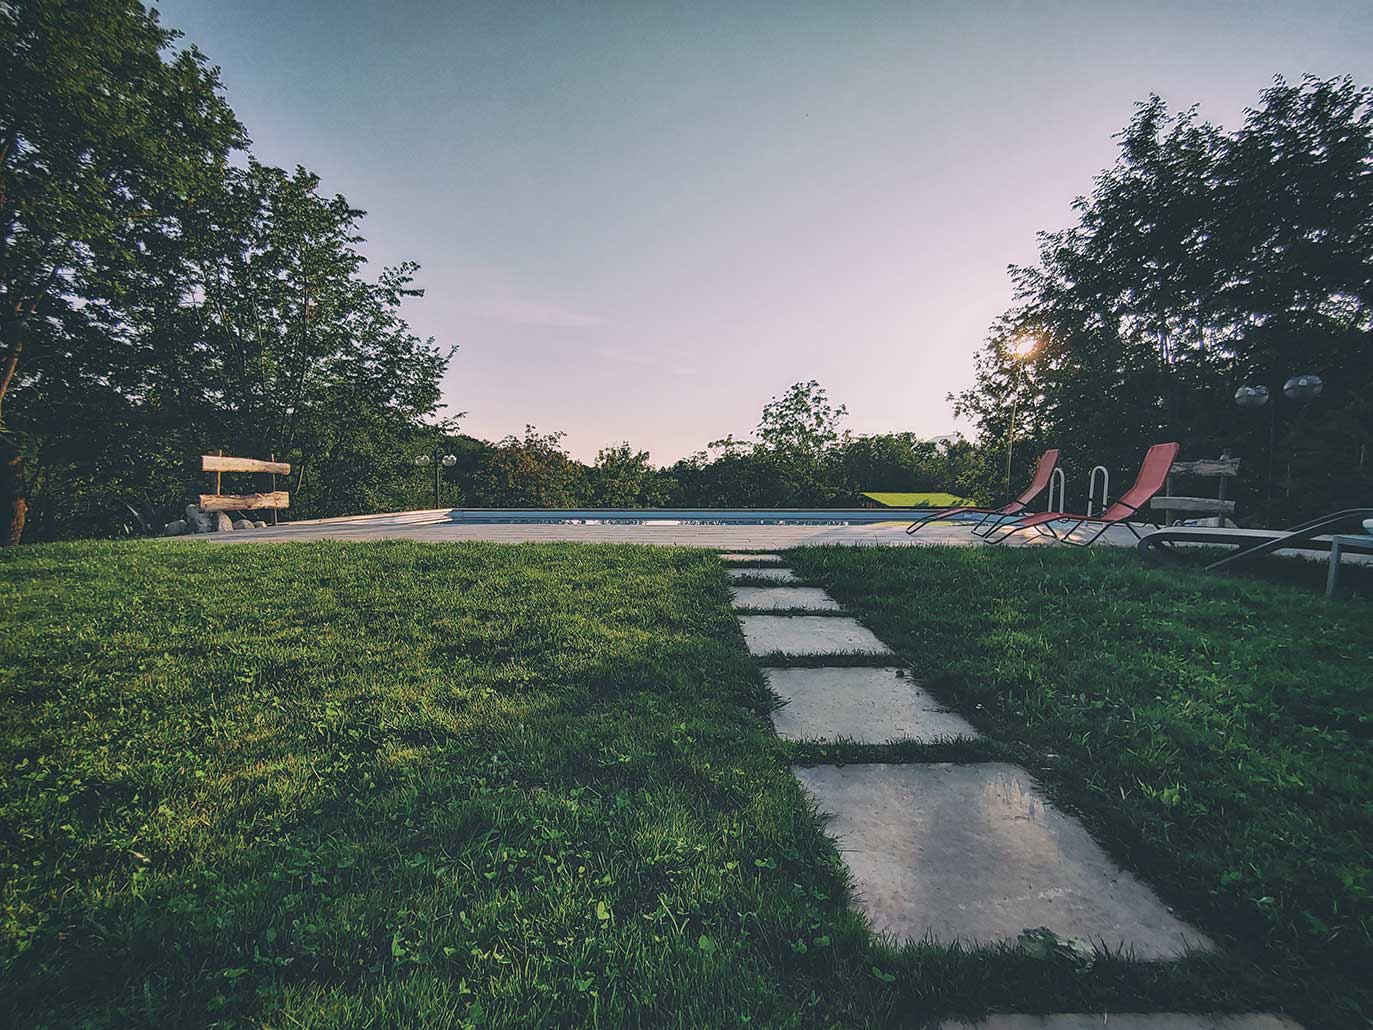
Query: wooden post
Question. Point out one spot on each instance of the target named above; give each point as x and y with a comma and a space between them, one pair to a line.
1332, 577
273, 457
220, 453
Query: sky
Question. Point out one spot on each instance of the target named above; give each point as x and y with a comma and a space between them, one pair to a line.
640, 221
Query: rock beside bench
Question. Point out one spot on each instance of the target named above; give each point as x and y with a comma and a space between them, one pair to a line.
197, 521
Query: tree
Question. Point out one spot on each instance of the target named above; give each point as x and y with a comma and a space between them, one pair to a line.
254, 330
1201, 261
109, 138
297, 350
530, 472
624, 478
900, 462
796, 436
801, 421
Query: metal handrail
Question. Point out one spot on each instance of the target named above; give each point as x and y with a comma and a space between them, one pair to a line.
1105, 489
1057, 477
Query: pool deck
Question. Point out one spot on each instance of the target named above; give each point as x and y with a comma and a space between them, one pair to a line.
435, 526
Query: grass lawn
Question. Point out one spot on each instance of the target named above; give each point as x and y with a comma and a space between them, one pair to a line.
395, 785
405, 785
1215, 733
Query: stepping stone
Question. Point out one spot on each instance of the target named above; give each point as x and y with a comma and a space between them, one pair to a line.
784, 597
772, 575
870, 706
1129, 1021
974, 853
746, 556
808, 635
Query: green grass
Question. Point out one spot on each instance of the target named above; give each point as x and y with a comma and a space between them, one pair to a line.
336, 785
757, 581
401, 785
1216, 734
929, 499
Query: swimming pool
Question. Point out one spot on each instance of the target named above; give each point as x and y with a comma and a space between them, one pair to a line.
679, 516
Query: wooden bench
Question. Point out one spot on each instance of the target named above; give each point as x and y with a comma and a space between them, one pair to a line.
272, 499
1222, 469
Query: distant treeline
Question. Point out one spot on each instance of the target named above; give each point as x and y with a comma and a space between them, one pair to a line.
798, 458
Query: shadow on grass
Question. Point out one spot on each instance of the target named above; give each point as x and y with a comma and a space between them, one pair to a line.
1212, 731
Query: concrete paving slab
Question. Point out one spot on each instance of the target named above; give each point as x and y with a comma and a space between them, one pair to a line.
812, 598
974, 853
748, 556
871, 706
1129, 1021
772, 575
435, 526
808, 635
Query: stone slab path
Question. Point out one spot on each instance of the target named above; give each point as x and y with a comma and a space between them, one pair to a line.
970, 853
808, 635
867, 706
978, 855
1129, 1021
762, 598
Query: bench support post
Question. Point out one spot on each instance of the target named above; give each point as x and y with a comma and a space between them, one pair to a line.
1332, 577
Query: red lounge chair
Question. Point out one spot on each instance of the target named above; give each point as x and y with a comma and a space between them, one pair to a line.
1153, 475
1048, 461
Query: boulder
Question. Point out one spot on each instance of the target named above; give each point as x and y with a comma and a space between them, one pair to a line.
259, 524
243, 524
177, 528
199, 521
222, 523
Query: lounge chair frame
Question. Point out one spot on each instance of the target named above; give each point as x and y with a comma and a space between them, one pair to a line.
1065, 536
1013, 508
1305, 536
1118, 513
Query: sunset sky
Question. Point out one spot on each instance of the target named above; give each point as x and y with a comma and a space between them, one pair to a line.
639, 221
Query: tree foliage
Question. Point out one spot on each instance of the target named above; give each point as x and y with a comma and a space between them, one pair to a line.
1204, 260
800, 457
109, 137
802, 421
833, 468
533, 471
161, 301
623, 477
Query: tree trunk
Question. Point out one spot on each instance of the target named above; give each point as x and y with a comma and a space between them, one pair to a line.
14, 500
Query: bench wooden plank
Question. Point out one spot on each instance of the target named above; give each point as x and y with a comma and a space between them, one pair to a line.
1206, 467
1214, 505
244, 502
223, 463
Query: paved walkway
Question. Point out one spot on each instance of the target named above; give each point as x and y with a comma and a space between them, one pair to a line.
434, 525
971, 853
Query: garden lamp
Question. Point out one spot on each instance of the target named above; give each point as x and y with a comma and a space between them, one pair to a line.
440, 461
1301, 388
